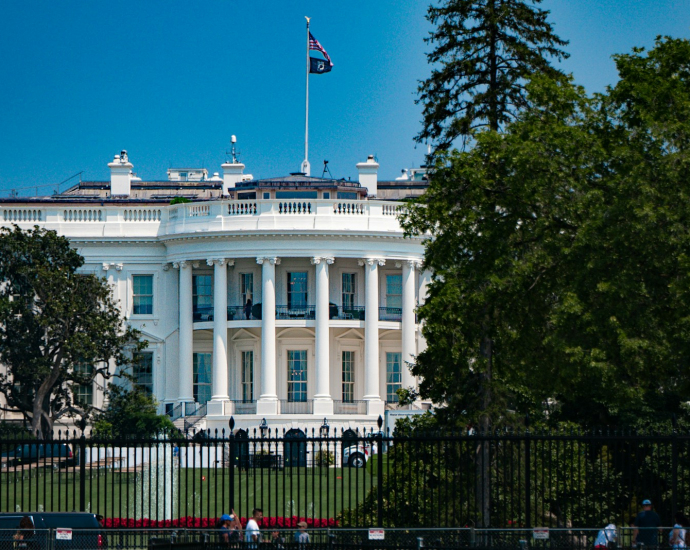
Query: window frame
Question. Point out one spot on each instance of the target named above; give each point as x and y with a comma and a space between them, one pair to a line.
352, 354
196, 385
244, 384
388, 373
290, 293
303, 383
136, 296
138, 375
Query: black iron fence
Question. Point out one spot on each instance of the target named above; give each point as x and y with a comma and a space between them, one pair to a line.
355, 478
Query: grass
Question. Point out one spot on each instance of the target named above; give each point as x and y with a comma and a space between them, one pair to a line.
198, 492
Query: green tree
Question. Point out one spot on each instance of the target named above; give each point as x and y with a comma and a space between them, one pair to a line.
563, 243
484, 50
53, 319
132, 414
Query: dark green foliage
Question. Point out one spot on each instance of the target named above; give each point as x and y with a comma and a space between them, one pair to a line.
484, 50
53, 318
179, 200
132, 414
564, 241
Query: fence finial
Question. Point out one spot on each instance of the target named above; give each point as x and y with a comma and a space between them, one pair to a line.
231, 423
380, 422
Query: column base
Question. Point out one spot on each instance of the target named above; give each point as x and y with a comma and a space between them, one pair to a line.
216, 407
376, 407
323, 406
266, 407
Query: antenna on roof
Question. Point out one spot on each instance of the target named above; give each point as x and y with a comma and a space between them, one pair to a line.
325, 169
233, 153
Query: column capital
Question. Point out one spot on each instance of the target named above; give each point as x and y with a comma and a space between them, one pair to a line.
181, 264
118, 267
272, 260
166, 267
414, 264
195, 264
106, 267
326, 259
371, 261
398, 264
220, 262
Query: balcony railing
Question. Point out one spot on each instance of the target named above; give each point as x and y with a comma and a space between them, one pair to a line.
296, 407
350, 313
303, 312
239, 406
353, 313
349, 407
390, 314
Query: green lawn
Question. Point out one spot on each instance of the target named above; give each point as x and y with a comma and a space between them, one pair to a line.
199, 492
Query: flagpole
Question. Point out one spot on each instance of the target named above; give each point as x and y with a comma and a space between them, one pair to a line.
305, 165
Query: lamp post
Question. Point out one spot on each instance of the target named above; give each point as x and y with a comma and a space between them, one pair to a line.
263, 427
325, 428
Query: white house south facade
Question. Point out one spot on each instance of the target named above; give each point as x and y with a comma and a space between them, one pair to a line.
290, 299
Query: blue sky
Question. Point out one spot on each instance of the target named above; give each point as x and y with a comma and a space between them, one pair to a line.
172, 81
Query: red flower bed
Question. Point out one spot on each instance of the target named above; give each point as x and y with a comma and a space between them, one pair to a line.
212, 523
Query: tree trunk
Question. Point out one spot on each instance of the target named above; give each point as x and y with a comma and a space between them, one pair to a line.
41, 420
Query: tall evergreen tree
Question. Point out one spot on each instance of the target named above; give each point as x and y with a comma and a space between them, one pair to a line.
483, 52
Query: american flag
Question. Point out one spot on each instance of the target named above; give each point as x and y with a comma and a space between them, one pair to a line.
314, 45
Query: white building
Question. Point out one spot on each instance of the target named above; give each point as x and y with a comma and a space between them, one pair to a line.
315, 280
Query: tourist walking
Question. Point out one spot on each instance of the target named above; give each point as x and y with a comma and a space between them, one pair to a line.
606, 537
24, 537
251, 532
647, 524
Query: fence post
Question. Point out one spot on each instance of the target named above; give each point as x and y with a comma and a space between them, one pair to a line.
528, 475
231, 423
674, 468
82, 466
379, 468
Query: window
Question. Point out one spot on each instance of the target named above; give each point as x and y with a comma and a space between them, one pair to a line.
349, 287
297, 290
326, 195
348, 376
247, 376
296, 194
202, 377
267, 196
393, 376
394, 291
142, 303
83, 394
246, 287
142, 370
297, 375
202, 298
246, 196
346, 195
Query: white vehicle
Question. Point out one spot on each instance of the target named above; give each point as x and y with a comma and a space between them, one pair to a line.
356, 456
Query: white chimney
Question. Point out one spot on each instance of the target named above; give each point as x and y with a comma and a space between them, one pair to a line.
232, 174
120, 175
368, 175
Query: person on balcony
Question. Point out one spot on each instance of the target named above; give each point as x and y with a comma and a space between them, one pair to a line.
248, 309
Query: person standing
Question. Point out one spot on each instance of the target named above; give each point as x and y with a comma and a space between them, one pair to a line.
647, 524
302, 536
252, 529
248, 309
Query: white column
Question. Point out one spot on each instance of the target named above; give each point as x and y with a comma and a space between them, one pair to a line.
186, 356
375, 405
409, 344
220, 332
268, 400
323, 402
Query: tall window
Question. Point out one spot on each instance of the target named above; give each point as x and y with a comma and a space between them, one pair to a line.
394, 291
349, 290
142, 303
393, 376
348, 376
246, 287
202, 298
83, 394
297, 290
247, 376
202, 377
142, 370
297, 375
